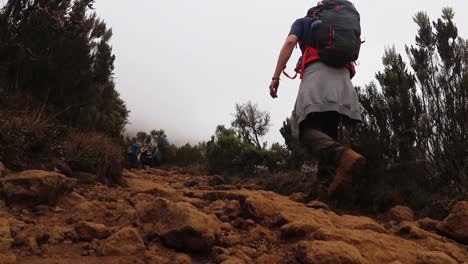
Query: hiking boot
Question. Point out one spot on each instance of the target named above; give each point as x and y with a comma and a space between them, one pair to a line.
350, 164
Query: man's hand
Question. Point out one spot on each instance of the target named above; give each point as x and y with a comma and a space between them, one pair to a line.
274, 88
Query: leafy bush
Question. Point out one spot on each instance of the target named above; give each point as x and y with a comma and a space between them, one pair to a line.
94, 153
222, 153
26, 141
227, 154
188, 154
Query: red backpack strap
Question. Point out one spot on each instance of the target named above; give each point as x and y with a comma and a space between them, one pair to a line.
289, 76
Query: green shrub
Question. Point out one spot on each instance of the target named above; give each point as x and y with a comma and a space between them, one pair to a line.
223, 153
26, 141
187, 155
94, 153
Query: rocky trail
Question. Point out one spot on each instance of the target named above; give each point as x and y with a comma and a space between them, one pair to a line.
171, 216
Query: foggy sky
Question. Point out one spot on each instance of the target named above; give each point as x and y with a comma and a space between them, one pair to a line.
182, 64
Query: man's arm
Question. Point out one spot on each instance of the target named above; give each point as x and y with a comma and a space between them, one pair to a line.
283, 59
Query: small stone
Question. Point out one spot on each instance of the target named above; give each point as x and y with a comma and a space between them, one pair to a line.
8, 259
335, 252
31, 245
57, 210
88, 231
297, 230
262, 248
250, 223
5, 244
268, 259
3, 170
298, 197
251, 252
400, 214
434, 257
181, 258
318, 205
232, 240
224, 218
428, 224
126, 242
226, 226
239, 223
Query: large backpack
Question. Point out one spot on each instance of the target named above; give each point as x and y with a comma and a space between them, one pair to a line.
334, 37
338, 36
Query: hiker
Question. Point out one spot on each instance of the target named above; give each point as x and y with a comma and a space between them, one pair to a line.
135, 151
327, 103
146, 159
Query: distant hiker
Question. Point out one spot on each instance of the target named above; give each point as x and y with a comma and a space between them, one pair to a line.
146, 159
329, 38
136, 146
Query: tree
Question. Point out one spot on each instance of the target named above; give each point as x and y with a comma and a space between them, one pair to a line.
55, 58
221, 130
440, 60
251, 123
159, 137
416, 125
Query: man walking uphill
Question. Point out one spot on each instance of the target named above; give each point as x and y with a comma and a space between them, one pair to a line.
329, 38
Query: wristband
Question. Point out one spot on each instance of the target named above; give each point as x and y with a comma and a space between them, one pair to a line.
275, 78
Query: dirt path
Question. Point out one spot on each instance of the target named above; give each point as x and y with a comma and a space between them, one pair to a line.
173, 217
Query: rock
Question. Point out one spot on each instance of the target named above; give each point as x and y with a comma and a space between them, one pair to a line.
5, 235
16, 226
36, 187
3, 170
224, 218
216, 181
455, 226
5, 244
264, 210
400, 214
32, 246
318, 205
428, 224
181, 259
232, 240
61, 167
8, 259
226, 227
297, 230
126, 242
357, 223
434, 257
191, 183
251, 252
37, 232
411, 230
240, 223
59, 234
180, 225
233, 260
298, 197
229, 208
85, 178
335, 252
118, 214
72, 199
269, 259
88, 231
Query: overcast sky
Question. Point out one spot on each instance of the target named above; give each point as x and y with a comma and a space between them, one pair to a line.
182, 64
